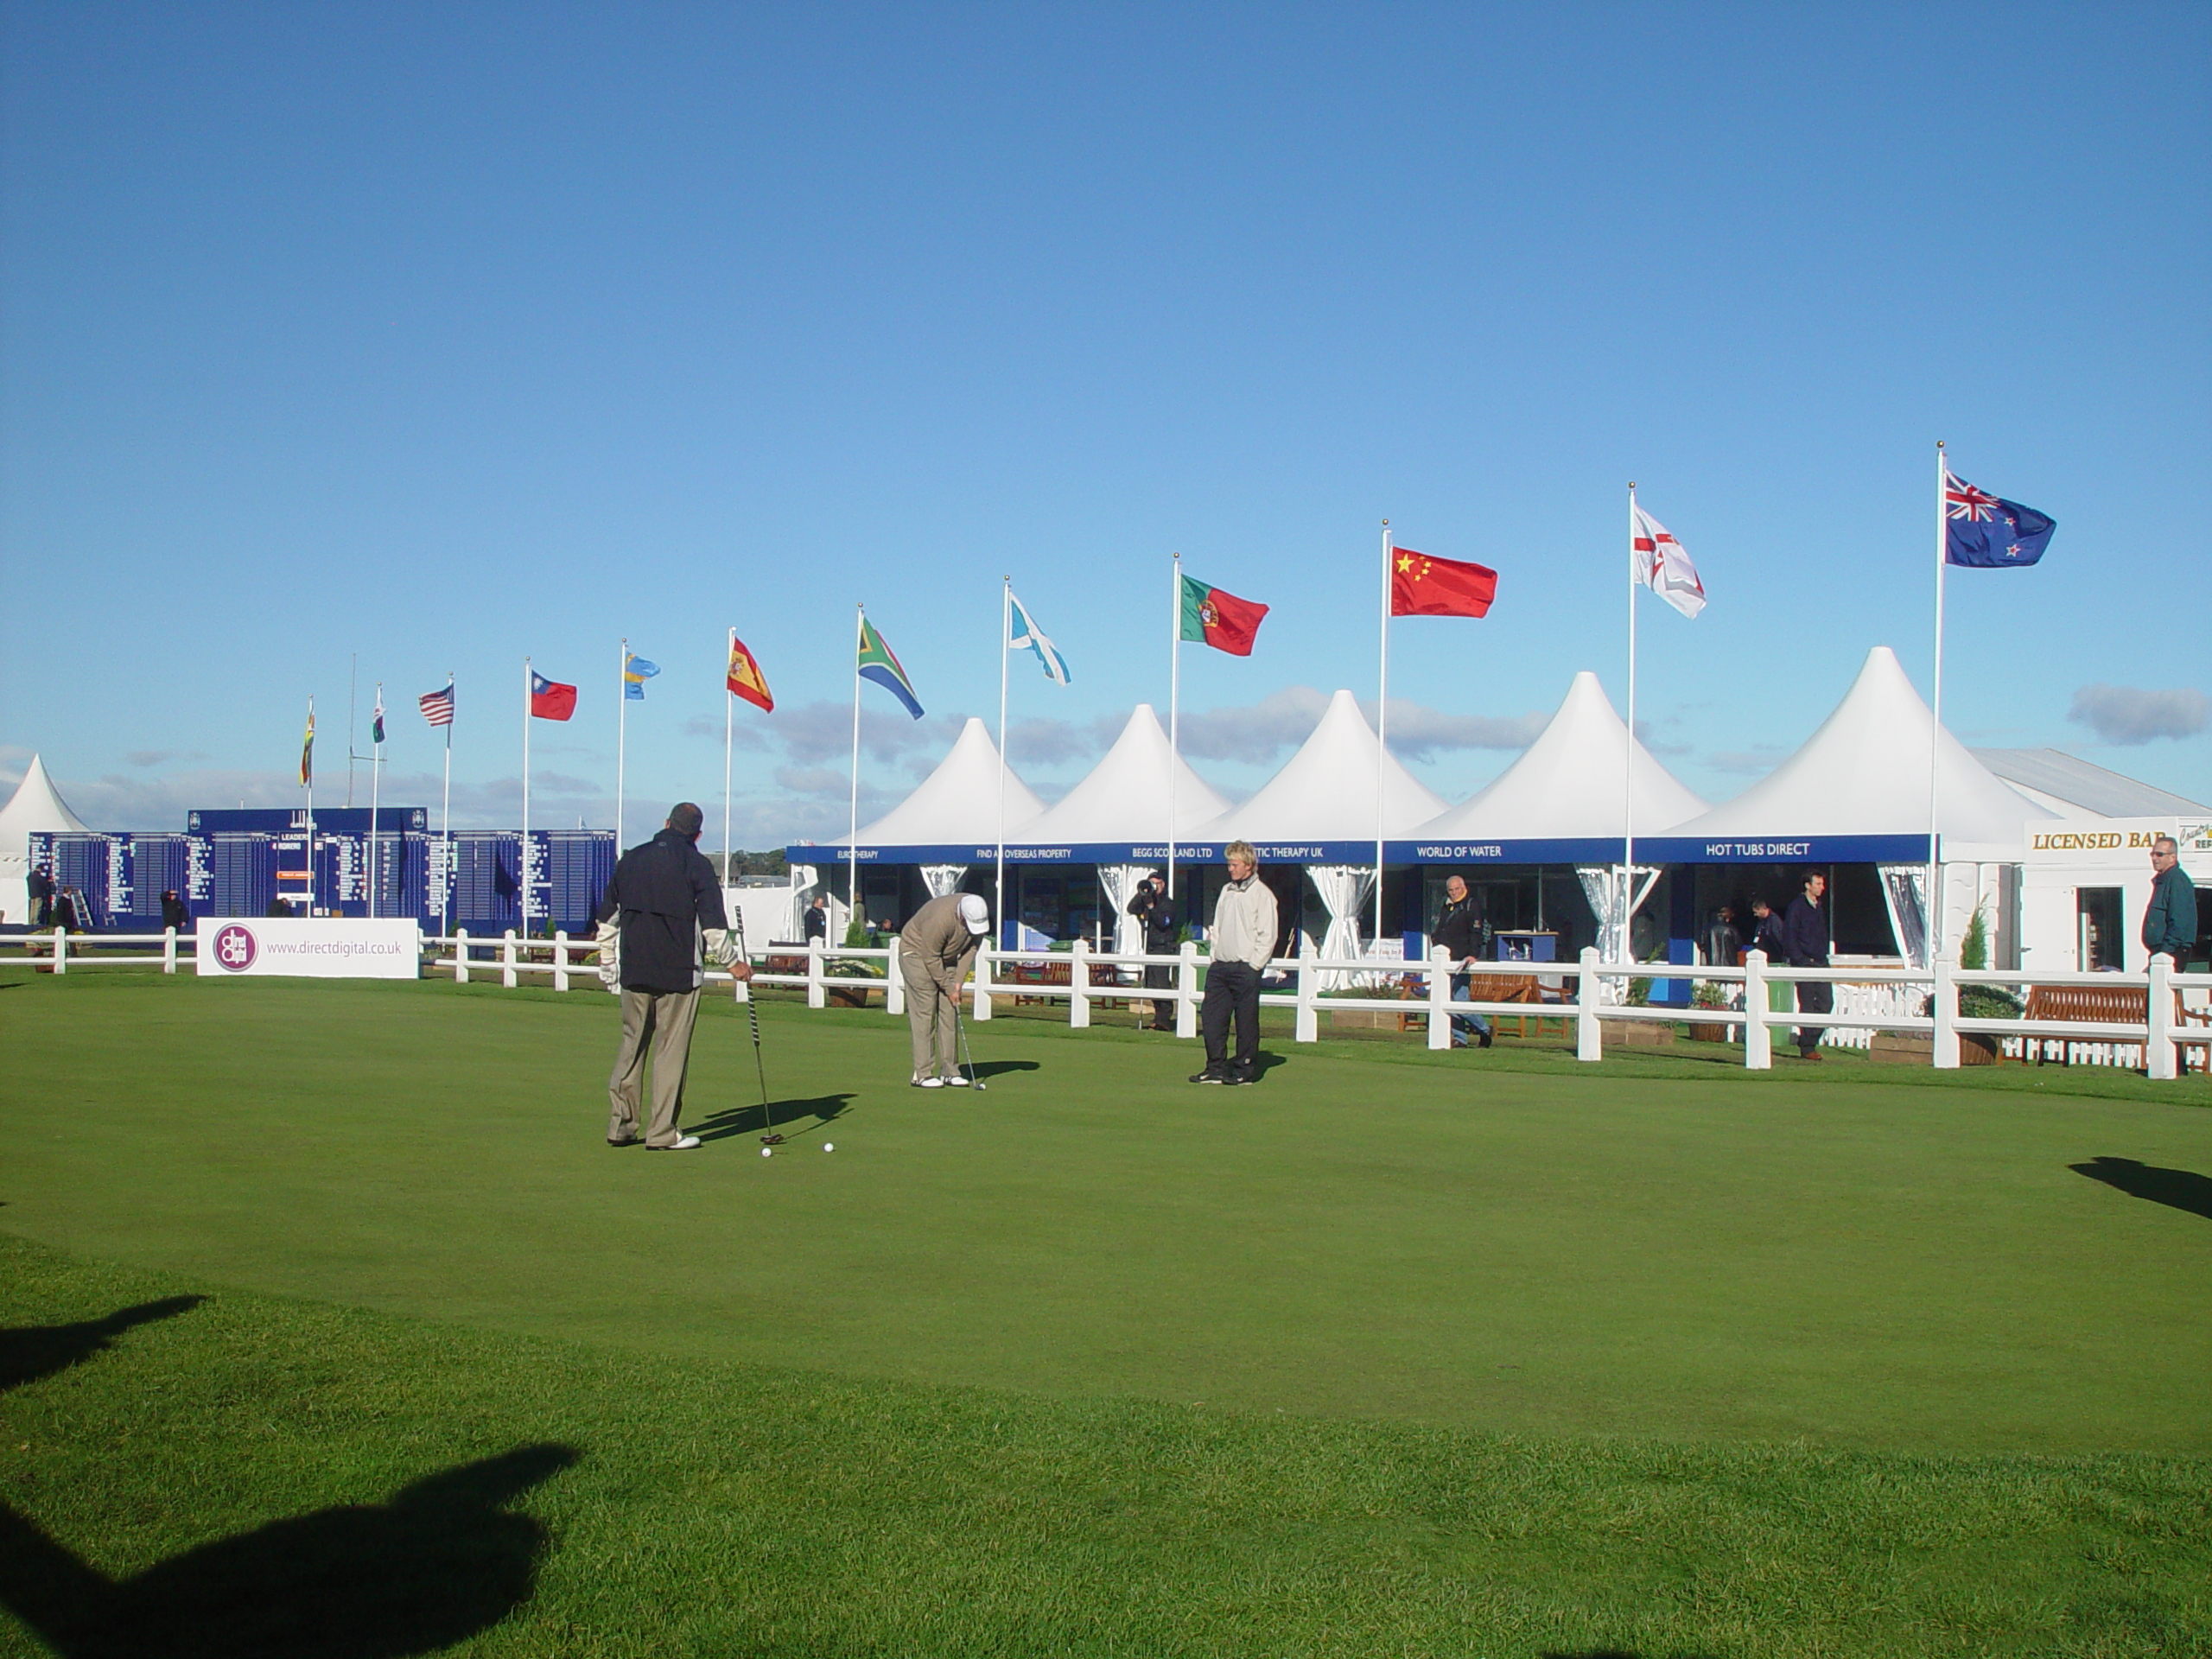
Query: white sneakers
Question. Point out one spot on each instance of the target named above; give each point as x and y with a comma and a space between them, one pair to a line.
956, 1081
926, 1083
686, 1143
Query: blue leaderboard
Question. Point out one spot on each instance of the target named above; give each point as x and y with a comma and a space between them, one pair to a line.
249, 862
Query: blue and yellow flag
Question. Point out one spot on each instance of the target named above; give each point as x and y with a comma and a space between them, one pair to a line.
636, 670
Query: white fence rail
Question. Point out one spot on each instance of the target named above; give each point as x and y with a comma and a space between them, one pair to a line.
1589, 995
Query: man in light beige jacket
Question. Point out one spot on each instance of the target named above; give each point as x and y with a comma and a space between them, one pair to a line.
1241, 941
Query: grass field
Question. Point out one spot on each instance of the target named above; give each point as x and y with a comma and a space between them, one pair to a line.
1396, 1352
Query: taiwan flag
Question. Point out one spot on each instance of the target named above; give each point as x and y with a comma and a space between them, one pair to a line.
1421, 586
549, 699
1219, 619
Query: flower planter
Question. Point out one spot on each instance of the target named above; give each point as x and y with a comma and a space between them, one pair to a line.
1708, 1034
846, 996
1915, 1048
1637, 1033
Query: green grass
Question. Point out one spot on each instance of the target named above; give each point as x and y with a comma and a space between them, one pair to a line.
224, 1481
1397, 1352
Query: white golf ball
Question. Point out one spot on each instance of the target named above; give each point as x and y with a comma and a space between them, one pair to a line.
767, 1152
827, 1146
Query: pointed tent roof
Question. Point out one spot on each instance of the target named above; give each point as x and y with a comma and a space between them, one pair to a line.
1565, 791
1122, 803
1858, 789
1320, 807
955, 810
35, 807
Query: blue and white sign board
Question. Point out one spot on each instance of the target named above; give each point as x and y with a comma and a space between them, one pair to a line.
312, 948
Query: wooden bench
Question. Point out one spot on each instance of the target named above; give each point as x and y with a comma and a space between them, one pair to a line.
1061, 971
1494, 987
2089, 1004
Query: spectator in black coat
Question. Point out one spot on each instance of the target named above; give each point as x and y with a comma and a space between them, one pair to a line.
1805, 942
1460, 933
1150, 905
816, 920
40, 888
176, 913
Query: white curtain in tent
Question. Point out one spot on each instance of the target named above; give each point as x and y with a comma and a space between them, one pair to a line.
1613, 902
1118, 882
941, 879
1343, 890
1904, 890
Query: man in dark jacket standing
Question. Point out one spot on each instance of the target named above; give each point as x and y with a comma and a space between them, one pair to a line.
1805, 940
1156, 912
817, 920
40, 888
1459, 933
176, 913
660, 918
2169, 919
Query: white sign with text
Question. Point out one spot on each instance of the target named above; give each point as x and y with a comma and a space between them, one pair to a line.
315, 948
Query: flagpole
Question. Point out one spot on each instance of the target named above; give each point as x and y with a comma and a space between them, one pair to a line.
1382, 733
1174, 705
1006, 633
376, 790
621, 737
445, 821
730, 714
1627, 754
522, 853
853, 830
311, 885
1935, 728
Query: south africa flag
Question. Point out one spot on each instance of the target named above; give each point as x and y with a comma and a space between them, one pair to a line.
1219, 619
878, 663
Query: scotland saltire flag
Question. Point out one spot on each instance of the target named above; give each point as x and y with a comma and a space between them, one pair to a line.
636, 670
1987, 533
1023, 634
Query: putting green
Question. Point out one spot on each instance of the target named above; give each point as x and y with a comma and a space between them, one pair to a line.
1452, 1243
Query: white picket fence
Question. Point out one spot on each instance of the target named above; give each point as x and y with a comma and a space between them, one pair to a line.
1598, 994
1599, 991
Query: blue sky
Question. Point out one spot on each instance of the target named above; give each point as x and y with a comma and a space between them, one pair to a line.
435, 336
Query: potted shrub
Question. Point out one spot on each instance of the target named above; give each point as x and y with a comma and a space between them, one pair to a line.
1708, 993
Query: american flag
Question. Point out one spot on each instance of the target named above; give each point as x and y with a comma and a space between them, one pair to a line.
437, 706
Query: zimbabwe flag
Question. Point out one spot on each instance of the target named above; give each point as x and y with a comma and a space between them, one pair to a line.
1220, 619
745, 678
1421, 586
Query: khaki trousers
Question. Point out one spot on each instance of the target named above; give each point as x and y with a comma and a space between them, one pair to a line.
933, 1006
664, 1019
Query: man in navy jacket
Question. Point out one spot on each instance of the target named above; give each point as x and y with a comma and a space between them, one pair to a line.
1805, 940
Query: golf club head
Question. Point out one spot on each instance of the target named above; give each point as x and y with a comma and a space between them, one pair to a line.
771, 1139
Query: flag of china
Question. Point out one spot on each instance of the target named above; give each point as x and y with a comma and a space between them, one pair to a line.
549, 699
1421, 586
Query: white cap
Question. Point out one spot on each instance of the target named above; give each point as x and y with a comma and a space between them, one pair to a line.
975, 913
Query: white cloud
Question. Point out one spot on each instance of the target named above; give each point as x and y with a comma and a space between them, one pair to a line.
1760, 759
1283, 720
2124, 716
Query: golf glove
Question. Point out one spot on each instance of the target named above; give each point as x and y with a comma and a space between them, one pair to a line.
610, 941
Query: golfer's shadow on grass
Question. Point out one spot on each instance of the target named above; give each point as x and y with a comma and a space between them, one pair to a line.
755, 1120
2179, 1189
437, 1563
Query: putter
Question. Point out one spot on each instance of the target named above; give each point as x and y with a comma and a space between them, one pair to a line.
752, 1012
961, 1026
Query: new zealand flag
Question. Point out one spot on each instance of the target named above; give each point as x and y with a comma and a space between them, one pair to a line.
1987, 533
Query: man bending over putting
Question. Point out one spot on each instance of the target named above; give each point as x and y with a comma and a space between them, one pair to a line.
1242, 940
935, 949
660, 918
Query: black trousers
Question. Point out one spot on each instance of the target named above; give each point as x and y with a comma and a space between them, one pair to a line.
1231, 988
1813, 998
1159, 979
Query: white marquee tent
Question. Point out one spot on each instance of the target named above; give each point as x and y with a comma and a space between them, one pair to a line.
36, 808
1563, 803
1857, 792
1320, 810
1117, 816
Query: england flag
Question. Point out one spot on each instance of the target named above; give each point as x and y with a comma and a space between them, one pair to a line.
1661, 565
